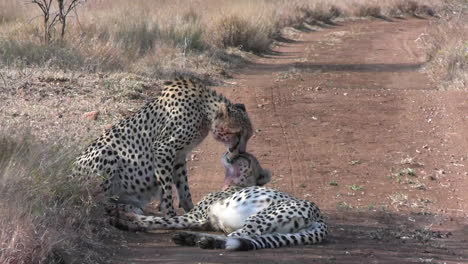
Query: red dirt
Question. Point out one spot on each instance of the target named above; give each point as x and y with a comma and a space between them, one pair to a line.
339, 113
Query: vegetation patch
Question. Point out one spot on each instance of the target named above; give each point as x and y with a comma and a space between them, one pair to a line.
29, 53
447, 48
46, 216
172, 36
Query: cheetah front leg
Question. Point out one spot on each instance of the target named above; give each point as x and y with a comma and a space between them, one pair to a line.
183, 190
164, 173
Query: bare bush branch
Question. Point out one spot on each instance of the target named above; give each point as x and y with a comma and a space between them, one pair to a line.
65, 7
51, 17
45, 6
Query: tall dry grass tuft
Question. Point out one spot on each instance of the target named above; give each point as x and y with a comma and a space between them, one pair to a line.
447, 47
235, 31
28, 53
45, 216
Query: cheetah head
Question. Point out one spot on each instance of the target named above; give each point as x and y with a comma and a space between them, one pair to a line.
244, 171
232, 127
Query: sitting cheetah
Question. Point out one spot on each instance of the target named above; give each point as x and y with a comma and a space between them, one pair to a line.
145, 154
254, 217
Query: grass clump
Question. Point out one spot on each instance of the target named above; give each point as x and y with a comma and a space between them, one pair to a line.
46, 216
447, 48
408, 7
29, 53
355, 187
333, 183
137, 36
343, 206
143, 37
235, 31
370, 10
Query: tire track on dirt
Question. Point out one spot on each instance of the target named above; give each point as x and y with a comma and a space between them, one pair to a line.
296, 153
277, 102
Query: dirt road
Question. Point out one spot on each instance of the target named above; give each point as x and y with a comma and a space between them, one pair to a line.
345, 117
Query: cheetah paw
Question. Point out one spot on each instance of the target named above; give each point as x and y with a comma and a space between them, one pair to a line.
185, 239
208, 242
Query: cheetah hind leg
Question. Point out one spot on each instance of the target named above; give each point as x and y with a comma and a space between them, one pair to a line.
115, 209
126, 222
202, 240
123, 217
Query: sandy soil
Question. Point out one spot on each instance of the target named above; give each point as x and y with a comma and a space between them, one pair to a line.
345, 117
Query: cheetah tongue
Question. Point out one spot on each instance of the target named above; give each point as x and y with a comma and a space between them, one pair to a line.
231, 176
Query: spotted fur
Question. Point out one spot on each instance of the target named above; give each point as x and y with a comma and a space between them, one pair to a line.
145, 154
254, 217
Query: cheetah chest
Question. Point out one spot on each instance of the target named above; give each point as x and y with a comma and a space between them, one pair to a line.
197, 137
231, 214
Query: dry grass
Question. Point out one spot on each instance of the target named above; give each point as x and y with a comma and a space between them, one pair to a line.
447, 45
234, 31
45, 217
157, 38
11, 11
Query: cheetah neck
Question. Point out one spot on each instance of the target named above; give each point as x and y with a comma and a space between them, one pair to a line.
234, 188
213, 101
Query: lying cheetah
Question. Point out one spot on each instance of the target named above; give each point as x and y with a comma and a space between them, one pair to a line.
254, 217
145, 154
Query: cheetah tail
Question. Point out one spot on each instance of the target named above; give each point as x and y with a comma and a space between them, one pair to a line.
312, 235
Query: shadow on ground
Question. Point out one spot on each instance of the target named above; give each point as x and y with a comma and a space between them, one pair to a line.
371, 67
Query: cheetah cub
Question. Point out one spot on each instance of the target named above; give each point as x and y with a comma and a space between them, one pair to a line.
254, 217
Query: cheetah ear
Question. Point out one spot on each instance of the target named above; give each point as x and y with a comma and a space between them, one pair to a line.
264, 177
240, 106
223, 111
